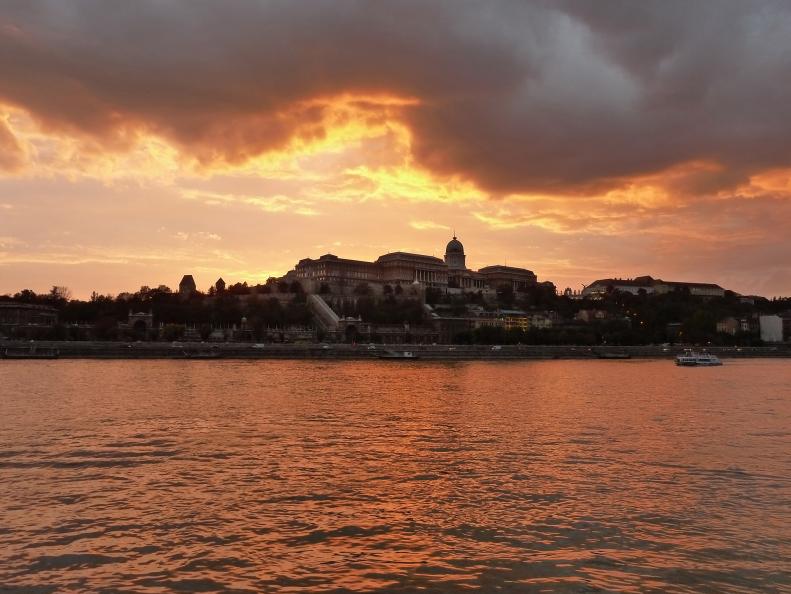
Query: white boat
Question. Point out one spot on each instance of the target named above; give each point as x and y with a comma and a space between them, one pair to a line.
690, 358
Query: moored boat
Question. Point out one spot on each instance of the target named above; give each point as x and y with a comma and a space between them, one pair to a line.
690, 358
31, 353
613, 355
202, 354
398, 355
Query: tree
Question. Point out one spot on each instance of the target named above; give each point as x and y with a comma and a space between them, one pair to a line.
433, 295
27, 296
172, 332
59, 296
262, 289
106, 328
226, 309
239, 289
505, 294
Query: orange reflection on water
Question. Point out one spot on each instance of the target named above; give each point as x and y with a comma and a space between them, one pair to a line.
296, 476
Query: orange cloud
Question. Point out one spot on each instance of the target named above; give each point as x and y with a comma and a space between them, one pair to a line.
12, 155
340, 121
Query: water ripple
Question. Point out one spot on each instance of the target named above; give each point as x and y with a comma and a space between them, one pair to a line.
278, 476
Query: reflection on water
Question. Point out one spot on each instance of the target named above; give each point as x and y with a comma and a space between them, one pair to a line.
299, 476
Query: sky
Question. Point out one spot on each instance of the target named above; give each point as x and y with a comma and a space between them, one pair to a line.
141, 141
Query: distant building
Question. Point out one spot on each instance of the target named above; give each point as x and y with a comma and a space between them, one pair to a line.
15, 316
329, 268
570, 294
219, 286
401, 268
514, 319
648, 285
635, 286
695, 289
541, 321
187, 286
786, 317
771, 328
728, 326
591, 315
139, 322
734, 326
404, 268
519, 279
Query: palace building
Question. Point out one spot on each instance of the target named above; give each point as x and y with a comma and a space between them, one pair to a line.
329, 268
519, 278
402, 268
648, 285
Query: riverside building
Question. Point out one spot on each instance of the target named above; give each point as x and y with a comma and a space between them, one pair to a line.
24, 319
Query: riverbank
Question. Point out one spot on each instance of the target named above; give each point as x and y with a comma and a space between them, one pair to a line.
199, 350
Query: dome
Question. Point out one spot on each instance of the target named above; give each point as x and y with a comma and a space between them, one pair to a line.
454, 247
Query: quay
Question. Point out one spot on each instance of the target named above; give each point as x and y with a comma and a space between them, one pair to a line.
439, 352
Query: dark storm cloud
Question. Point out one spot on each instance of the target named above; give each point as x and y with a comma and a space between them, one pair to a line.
514, 95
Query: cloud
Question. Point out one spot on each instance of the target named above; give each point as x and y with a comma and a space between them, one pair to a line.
12, 155
427, 226
573, 137
8, 242
516, 97
271, 204
196, 236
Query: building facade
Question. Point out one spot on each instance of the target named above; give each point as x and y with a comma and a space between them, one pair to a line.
14, 315
771, 328
648, 285
329, 268
402, 268
520, 279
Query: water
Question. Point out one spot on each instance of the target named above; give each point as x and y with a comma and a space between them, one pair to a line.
300, 476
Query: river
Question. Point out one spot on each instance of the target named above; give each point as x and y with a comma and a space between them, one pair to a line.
377, 476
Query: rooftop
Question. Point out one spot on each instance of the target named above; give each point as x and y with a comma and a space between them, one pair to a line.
423, 257
30, 306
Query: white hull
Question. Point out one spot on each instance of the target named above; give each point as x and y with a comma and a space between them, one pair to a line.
692, 359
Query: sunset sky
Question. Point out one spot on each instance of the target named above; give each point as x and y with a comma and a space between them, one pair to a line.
140, 141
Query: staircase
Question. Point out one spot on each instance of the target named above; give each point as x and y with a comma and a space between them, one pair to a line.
322, 313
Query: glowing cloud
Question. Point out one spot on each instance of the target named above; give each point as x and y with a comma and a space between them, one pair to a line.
568, 137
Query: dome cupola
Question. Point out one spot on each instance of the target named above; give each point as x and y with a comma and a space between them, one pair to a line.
454, 255
454, 247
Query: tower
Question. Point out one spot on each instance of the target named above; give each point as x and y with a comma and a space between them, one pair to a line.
187, 286
454, 255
